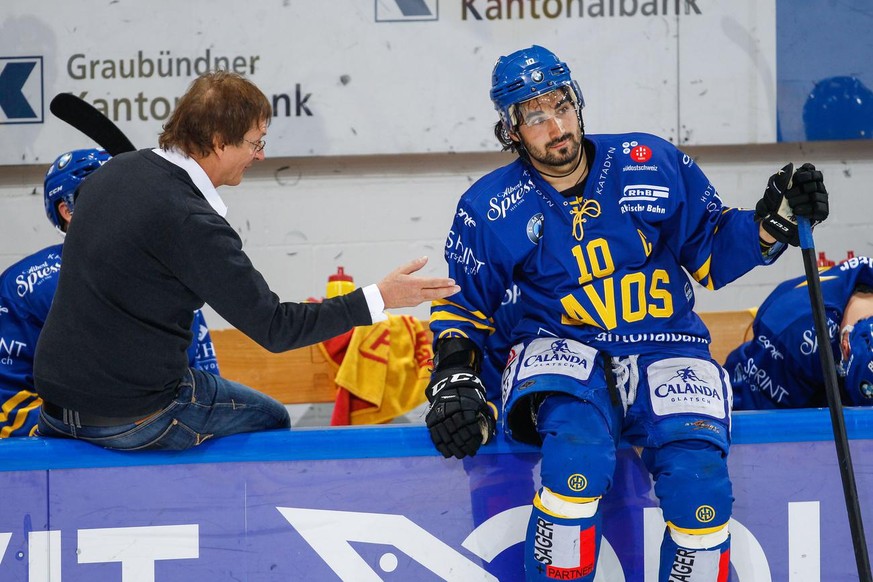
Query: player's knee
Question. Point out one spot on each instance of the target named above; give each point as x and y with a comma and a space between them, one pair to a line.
695, 490
577, 465
578, 451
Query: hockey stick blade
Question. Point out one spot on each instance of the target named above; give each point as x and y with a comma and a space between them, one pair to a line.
88, 119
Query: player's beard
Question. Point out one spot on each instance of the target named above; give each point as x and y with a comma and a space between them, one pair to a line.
559, 158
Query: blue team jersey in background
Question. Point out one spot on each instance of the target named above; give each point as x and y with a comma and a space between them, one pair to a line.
780, 366
26, 292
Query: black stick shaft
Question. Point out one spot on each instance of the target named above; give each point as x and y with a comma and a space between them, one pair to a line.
835, 405
90, 121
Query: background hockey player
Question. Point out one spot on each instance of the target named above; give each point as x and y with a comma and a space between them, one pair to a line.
599, 233
780, 366
26, 292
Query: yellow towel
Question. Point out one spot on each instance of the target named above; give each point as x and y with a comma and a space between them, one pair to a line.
386, 365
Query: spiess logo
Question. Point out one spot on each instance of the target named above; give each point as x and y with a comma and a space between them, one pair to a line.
406, 10
35, 275
507, 200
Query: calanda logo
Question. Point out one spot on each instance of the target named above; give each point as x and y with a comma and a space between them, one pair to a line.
686, 382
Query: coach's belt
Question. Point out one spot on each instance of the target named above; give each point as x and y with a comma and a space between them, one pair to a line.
68, 416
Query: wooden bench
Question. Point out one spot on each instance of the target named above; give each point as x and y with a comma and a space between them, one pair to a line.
293, 377
305, 376
728, 330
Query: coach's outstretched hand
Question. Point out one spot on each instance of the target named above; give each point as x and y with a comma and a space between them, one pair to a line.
400, 288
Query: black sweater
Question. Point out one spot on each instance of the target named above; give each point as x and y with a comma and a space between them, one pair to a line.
144, 251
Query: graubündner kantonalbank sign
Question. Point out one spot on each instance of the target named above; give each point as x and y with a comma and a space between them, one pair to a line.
395, 76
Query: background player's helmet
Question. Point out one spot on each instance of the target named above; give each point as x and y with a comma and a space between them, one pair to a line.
526, 74
64, 176
858, 364
839, 108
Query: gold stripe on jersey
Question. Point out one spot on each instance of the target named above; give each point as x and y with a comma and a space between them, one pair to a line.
702, 274
19, 417
448, 316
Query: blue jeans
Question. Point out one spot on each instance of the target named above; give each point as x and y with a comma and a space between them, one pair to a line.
206, 406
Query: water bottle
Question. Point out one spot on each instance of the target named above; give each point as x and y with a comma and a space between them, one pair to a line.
339, 283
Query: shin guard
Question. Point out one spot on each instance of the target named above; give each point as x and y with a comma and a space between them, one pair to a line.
690, 560
561, 547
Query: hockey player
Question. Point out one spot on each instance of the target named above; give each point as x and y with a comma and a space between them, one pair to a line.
599, 233
780, 366
26, 292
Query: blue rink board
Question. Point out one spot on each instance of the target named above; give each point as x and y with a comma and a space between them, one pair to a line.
377, 503
364, 442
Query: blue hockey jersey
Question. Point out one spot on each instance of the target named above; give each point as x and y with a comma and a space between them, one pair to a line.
26, 292
780, 366
609, 268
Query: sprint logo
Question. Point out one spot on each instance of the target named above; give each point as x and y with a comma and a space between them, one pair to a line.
21, 90
406, 10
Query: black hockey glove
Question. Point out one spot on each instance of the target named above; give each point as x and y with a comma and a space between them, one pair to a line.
790, 194
458, 418
808, 196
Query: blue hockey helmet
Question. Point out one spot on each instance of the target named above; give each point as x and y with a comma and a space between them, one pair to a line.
526, 74
64, 176
857, 362
839, 108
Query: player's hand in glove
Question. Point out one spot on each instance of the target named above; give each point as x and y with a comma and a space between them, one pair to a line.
790, 194
459, 418
808, 196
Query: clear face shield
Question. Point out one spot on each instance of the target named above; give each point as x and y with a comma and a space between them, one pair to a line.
557, 106
856, 361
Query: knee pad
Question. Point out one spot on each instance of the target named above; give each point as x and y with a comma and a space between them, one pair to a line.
692, 483
578, 449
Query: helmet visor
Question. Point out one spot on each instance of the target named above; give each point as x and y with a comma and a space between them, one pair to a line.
555, 106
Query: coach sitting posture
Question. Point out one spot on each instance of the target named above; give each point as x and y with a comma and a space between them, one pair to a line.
149, 246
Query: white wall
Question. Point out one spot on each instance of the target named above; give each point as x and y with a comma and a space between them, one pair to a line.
360, 78
301, 217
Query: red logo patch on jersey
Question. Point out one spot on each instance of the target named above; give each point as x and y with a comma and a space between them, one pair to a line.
641, 154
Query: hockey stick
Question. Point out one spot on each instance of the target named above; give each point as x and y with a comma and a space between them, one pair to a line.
844, 457
88, 119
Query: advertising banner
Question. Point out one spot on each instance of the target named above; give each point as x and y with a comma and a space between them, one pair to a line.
418, 517
352, 77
